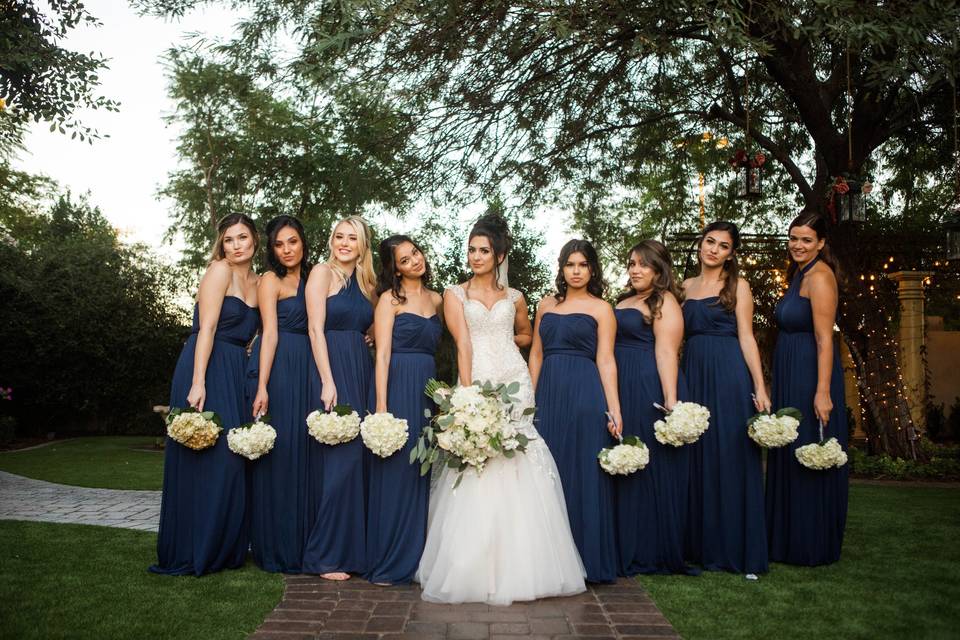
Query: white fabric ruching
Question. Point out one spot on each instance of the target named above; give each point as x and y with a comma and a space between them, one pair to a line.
503, 535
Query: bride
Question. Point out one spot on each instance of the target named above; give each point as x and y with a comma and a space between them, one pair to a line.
502, 535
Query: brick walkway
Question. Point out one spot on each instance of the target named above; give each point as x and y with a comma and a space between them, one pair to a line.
356, 610
28, 499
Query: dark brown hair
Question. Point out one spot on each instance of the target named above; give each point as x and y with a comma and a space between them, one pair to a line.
654, 255
597, 285
818, 223
731, 268
389, 280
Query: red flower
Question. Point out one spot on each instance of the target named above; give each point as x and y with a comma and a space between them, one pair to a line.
841, 186
739, 159
758, 160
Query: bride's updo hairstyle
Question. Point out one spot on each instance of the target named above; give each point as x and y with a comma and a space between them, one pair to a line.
596, 285
653, 254
389, 279
494, 228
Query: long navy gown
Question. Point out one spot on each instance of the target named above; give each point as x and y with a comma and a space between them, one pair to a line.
806, 509
278, 494
398, 495
202, 514
726, 530
571, 419
651, 503
336, 489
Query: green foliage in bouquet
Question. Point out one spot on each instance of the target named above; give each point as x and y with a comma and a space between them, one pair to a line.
208, 415
793, 412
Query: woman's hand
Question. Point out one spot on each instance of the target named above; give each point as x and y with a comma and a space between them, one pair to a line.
822, 406
614, 424
328, 396
197, 395
260, 403
761, 401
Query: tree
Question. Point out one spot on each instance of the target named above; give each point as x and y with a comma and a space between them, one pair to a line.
40, 79
548, 98
247, 148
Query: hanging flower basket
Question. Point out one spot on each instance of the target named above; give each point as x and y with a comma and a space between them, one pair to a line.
749, 173
849, 197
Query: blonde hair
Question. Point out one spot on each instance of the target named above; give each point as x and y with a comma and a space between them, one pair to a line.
366, 277
227, 221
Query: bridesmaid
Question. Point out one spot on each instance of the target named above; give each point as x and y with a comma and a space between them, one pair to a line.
340, 296
807, 509
202, 527
650, 504
725, 525
407, 328
278, 502
575, 379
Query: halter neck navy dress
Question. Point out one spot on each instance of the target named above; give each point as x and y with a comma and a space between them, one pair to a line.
726, 529
278, 493
336, 487
202, 525
571, 419
399, 495
651, 504
806, 509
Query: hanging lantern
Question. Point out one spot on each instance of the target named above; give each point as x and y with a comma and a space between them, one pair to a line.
851, 199
749, 174
952, 227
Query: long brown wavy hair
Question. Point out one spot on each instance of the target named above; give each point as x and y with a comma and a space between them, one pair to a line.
655, 255
731, 269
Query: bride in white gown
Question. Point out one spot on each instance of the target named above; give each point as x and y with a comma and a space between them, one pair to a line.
502, 535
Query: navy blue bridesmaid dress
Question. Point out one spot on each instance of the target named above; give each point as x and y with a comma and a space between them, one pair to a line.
726, 529
278, 493
651, 503
806, 509
398, 495
571, 419
336, 486
202, 515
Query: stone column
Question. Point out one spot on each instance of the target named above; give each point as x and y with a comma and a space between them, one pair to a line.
911, 338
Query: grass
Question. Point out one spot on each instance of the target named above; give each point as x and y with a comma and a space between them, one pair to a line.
106, 462
76, 581
897, 578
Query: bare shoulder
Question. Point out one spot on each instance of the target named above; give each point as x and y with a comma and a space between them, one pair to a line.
436, 298
821, 279
269, 279
546, 303
670, 301
319, 272
743, 287
601, 309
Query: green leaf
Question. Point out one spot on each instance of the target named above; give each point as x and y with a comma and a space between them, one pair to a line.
343, 410
424, 467
459, 479
513, 388
529, 411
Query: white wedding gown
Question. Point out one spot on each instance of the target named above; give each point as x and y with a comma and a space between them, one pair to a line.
502, 535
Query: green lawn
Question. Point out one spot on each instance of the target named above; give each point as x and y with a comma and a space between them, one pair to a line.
897, 578
115, 462
76, 581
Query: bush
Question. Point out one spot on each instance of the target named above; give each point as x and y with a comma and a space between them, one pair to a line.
8, 429
89, 323
944, 464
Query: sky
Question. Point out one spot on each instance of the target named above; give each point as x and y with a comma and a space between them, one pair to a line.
124, 171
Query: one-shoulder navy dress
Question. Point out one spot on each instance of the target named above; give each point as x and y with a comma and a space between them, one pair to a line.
336, 486
651, 503
806, 509
571, 419
726, 530
399, 496
202, 514
278, 492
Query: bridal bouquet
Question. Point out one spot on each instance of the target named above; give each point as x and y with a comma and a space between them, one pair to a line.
383, 434
822, 455
774, 430
253, 439
625, 458
683, 424
473, 424
194, 429
340, 425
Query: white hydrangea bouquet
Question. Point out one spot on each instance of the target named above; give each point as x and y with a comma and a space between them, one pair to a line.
821, 455
253, 439
340, 425
627, 457
194, 429
473, 423
771, 430
384, 434
684, 424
